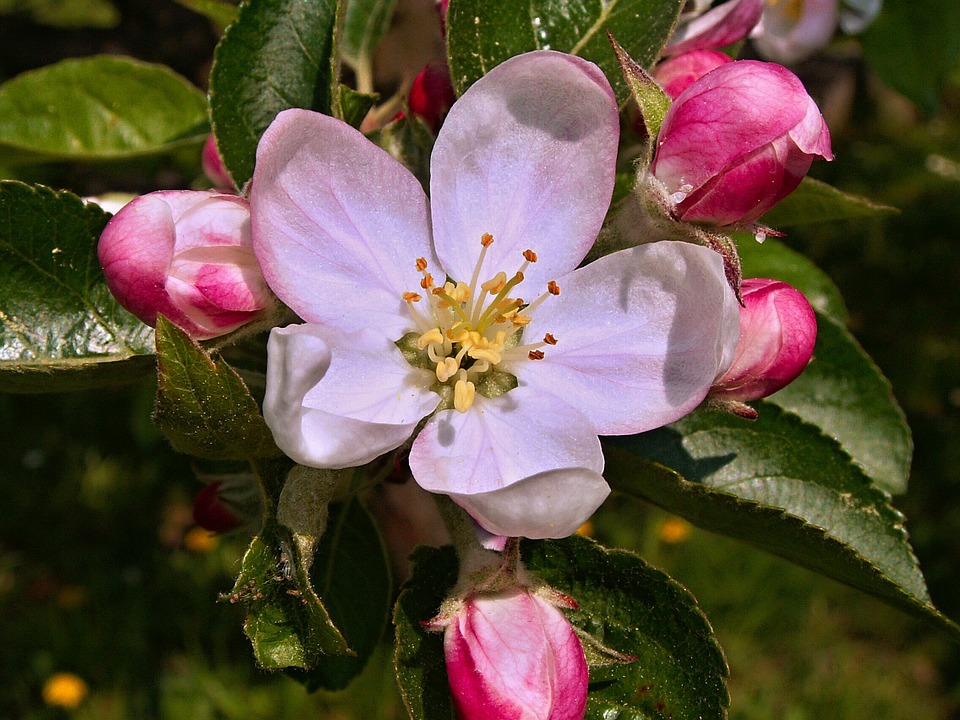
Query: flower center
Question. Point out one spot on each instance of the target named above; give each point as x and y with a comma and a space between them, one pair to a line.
464, 332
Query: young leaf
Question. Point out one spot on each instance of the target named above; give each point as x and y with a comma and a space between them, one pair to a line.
418, 658
816, 202
780, 484
844, 394
354, 105
637, 610
773, 259
286, 622
203, 406
351, 574
98, 108
60, 328
645, 91
277, 55
483, 33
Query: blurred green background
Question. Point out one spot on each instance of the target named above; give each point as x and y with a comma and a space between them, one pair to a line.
108, 594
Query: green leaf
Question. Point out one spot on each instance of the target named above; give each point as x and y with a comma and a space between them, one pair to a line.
98, 108
483, 33
418, 659
645, 91
355, 105
780, 484
773, 259
277, 55
635, 609
351, 574
286, 622
624, 604
60, 328
203, 407
816, 202
844, 394
220, 12
914, 52
65, 13
367, 22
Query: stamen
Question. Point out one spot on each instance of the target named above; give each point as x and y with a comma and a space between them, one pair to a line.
421, 264
486, 239
530, 255
412, 297
432, 336
549, 339
553, 288
446, 369
463, 393
535, 354
496, 283
427, 281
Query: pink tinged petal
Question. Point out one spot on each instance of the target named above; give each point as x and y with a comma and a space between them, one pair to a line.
641, 335
679, 72
511, 462
213, 166
527, 155
338, 224
723, 25
778, 331
513, 656
321, 423
784, 38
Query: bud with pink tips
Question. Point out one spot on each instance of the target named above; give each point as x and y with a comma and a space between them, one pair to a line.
678, 73
514, 655
736, 142
778, 330
188, 256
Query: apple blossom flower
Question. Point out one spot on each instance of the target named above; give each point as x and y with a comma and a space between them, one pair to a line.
716, 27
778, 330
187, 255
793, 30
678, 73
737, 141
413, 308
514, 655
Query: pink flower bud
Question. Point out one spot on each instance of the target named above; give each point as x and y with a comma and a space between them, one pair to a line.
211, 512
778, 330
679, 72
514, 655
737, 141
431, 95
213, 166
185, 254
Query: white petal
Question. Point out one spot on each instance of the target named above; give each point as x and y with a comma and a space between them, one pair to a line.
641, 335
506, 460
527, 155
302, 360
337, 224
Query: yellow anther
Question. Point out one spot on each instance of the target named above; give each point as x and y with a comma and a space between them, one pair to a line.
411, 297
530, 255
421, 264
535, 354
490, 354
426, 282
461, 293
430, 337
458, 333
518, 278
486, 239
520, 320
496, 283
553, 288
549, 339
463, 393
446, 369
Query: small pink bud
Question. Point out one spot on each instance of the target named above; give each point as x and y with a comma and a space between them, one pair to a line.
213, 166
778, 330
431, 95
679, 72
185, 254
211, 512
737, 141
514, 655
